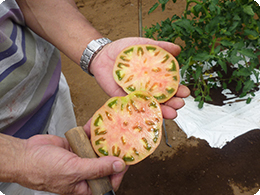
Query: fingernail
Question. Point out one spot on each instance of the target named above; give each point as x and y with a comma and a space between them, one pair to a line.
118, 166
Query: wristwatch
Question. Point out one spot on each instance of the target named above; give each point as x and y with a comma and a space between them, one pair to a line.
91, 51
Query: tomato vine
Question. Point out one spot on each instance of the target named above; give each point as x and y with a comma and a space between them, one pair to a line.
221, 37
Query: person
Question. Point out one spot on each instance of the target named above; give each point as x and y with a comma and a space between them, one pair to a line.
35, 104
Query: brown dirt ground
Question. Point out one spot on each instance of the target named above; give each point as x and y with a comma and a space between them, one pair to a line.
190, 166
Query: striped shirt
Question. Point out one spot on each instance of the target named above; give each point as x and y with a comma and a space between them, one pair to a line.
30, 70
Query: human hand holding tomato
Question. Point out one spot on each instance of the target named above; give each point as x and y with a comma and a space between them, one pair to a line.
103, 63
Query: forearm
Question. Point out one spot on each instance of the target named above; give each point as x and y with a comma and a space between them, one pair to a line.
60, 23
10, 150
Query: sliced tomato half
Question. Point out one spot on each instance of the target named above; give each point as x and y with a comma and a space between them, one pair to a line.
128, 127
147, 68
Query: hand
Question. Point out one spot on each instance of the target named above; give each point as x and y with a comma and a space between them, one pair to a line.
48, 165
103, 63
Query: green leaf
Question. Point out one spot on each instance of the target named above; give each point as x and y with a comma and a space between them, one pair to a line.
197, 92
224, 85
248, 100
248, 10
223, 65
226, 43
252, 34
198, 73
248, 52
233, 26
185, 67
201, 104
185, 24
153, 8
234, 59
208, 98
204, 56
163, 1
199, 30
198, 98
239, 86
248, 85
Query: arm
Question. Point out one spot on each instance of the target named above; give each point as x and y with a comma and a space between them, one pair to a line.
60, 23
10, 150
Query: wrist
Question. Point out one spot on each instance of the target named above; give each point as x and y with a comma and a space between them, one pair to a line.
11, 150
92, 49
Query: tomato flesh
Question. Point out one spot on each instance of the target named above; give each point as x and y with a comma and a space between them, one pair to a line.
128, 127
147, 68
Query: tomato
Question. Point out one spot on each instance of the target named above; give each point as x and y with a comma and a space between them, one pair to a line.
147, 68
128, 127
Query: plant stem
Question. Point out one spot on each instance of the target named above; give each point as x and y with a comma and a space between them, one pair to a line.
213, 46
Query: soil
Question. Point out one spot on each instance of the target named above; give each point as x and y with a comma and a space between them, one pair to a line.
190, 166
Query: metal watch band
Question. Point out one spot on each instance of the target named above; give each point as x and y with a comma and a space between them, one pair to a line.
91, 51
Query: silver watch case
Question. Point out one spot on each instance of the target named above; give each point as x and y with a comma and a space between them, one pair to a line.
91, 51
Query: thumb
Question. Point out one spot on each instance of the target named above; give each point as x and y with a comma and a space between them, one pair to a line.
93, 168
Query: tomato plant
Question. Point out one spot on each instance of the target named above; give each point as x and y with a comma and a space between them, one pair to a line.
221, 45
147, 68
128, 127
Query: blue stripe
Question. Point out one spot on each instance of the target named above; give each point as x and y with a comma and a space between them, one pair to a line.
37, 123
11, 50
21, 62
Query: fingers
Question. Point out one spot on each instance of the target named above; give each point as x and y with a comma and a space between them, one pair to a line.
182, 92
168, 112
99, 167
169, 108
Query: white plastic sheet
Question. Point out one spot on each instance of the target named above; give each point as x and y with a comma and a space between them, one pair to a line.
219, 124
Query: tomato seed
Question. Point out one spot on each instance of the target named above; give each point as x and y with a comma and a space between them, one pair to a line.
97, 132
135, 151
131, 88
116, 151
124, 58
120, 65
128, 108
149, 122
102, 151
150, 48
156, 53
153, 104
157, 69
129, 78
98, 120
170, 90
129, 51
138, 128
147, 145
100, 140
119, 76
109, 116
111, 104
155, 85
161, 97
128, 158
166, 57
140, 51
173, 66
123, 140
